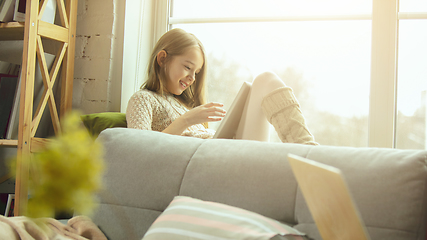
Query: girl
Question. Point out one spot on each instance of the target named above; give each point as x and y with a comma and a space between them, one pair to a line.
173, 99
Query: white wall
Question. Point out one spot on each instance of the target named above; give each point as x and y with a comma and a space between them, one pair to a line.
99, 54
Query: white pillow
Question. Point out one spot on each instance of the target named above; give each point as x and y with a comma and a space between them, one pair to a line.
189, 218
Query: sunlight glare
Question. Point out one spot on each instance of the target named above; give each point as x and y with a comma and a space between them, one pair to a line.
267, 8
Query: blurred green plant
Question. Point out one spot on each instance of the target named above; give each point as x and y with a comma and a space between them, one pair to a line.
66, 174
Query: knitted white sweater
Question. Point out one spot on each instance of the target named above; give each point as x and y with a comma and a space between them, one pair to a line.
148, 110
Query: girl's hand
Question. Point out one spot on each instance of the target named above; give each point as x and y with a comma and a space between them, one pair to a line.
210, 112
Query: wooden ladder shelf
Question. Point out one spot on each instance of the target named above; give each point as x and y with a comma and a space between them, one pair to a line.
32, 32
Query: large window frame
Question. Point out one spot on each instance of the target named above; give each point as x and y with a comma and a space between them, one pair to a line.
147, 20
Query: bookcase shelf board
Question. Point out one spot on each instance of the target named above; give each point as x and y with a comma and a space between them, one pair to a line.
8, 143
12, 31
5, 178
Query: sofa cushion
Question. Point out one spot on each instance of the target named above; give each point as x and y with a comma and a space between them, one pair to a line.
190, 218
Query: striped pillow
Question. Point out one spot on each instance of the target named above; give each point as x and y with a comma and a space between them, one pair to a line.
189, 218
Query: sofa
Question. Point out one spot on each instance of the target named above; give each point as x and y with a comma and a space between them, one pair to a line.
145, 170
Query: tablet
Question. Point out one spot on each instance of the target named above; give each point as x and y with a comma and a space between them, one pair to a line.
228, 127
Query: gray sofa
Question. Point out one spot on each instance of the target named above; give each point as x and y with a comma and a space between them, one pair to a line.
146, 169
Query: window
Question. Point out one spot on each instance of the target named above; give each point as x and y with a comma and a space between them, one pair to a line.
323, 49
326, 62
413, 6
411, 118
266, 8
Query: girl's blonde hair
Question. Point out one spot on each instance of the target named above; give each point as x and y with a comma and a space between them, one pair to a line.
176, 42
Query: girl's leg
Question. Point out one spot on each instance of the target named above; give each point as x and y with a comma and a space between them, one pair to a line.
253, 124
271, 100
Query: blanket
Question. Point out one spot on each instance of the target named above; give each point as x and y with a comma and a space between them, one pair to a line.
24, 228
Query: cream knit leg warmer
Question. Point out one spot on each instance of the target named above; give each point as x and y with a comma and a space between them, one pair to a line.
283, 111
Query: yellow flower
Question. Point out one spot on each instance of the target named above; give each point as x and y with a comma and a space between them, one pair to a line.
66, 173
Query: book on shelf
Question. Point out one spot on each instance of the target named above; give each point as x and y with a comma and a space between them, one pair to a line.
12, 126
48, 16
14, 10
3, 202
12, 130
7, 8
10, 206
7, 102
8, 85
9, 68
19, 11
7, 204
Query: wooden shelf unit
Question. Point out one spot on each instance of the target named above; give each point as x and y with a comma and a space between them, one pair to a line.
32, 31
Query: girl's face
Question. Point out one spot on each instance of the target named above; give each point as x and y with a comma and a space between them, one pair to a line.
182, 70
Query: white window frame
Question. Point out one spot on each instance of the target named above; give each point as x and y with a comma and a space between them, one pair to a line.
147, 20
384, 62
382, 101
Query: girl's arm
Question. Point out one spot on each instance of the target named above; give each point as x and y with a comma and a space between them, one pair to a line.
210, 112
139, 112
